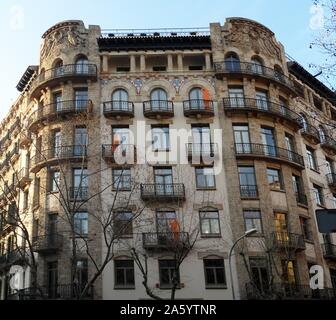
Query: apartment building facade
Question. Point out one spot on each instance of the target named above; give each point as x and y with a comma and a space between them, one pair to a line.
230, 92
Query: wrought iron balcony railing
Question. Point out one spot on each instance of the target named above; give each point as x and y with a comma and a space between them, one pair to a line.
329, 251
287, 291
59, 154
165, 240
17, 256
269, 151
311, 133
262, 106
290, 241
301, 199
331, 178
119, 153
199, 107
24, 177
57, 110
252, 69
25, 139
249, 192
74, 72
163, 192
118, 109
79, 193
49, 243
202, 152
329, 144
158, 108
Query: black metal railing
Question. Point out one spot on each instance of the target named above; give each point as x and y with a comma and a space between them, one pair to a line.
79, 193
329, 250
158, 107
249, 192
202, 150
264, 106
16, 256
58, 292
118, 108
287, 291
69, 70
119, 153
328, 142
269, 151
301, 198
64, 152
163, 191
60, 108
165, 240
198, 106
250, 68
311, 132
288, 240
47, 243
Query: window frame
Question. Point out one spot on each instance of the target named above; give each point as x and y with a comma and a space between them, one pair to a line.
280, 177
216, 285
170, 269
209, 219
84, 224
261, 231
206, 186
126, 224
124, 286
123, 178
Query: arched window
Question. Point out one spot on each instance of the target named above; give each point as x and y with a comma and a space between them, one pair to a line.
283, 106
322, 133
232, 62
82, 65
257, 66
304, 121
120, 99
199, 98
278, 73
159, 99
58, 67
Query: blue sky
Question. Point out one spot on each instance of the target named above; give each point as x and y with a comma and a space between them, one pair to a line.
23, 22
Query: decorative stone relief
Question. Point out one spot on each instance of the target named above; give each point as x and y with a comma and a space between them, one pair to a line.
249, 34
65, 36
212, 81
138, 84
177, 83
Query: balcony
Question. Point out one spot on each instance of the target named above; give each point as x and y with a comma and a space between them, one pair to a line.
18, 256
14, 154
57, 112
199, 108
25, 139
165, 241
79, 193
310, 133
249, 192
301, 199
287, 291
252, 70
329, 145
48, 244
71, 72
163, 192
202, 153
331, 178
15, 128
118, 109
262, 107
288, 241
24, 178
120, 154
56, 155
60, 292
329, 251
268, 152
158, 109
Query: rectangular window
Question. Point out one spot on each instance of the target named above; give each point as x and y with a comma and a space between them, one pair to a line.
121, 179
169, 273
124, 274
311, 159
253, 220
25, 200
259, 273
210, 225
318, 195
214, 270
160, 138
81, 224
205, 178
274, 178
37, 186
123, 224
79, 184
54, 181
81, 98
82, 272
248, 183
334, 200
301, 198
305, 228
81, 142
57, 143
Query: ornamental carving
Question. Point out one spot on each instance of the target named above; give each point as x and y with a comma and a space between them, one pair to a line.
248, 34
67, 36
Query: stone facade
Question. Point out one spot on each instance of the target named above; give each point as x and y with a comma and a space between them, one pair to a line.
241, 70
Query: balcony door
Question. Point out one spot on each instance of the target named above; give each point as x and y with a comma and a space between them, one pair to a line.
52, 229
120, 100
166, 223
290, 275
268, 140
237, 97
164, 181
120, 139
52, 279
80, 183
242, 138
159, 100
262, 100
201, 138
57, 98
290, 146
281, 227
57, 144
330, 167
81, 142
81, 99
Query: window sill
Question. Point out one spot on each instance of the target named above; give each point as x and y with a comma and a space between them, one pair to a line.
309, 241
223, 287
166, 287
302, 205
321, 206
121, 190
214, 236
314, 170
245, 198
277, 190
124, 288
206, 189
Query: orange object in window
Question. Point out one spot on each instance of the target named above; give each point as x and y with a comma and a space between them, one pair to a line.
175, 227
206, 98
